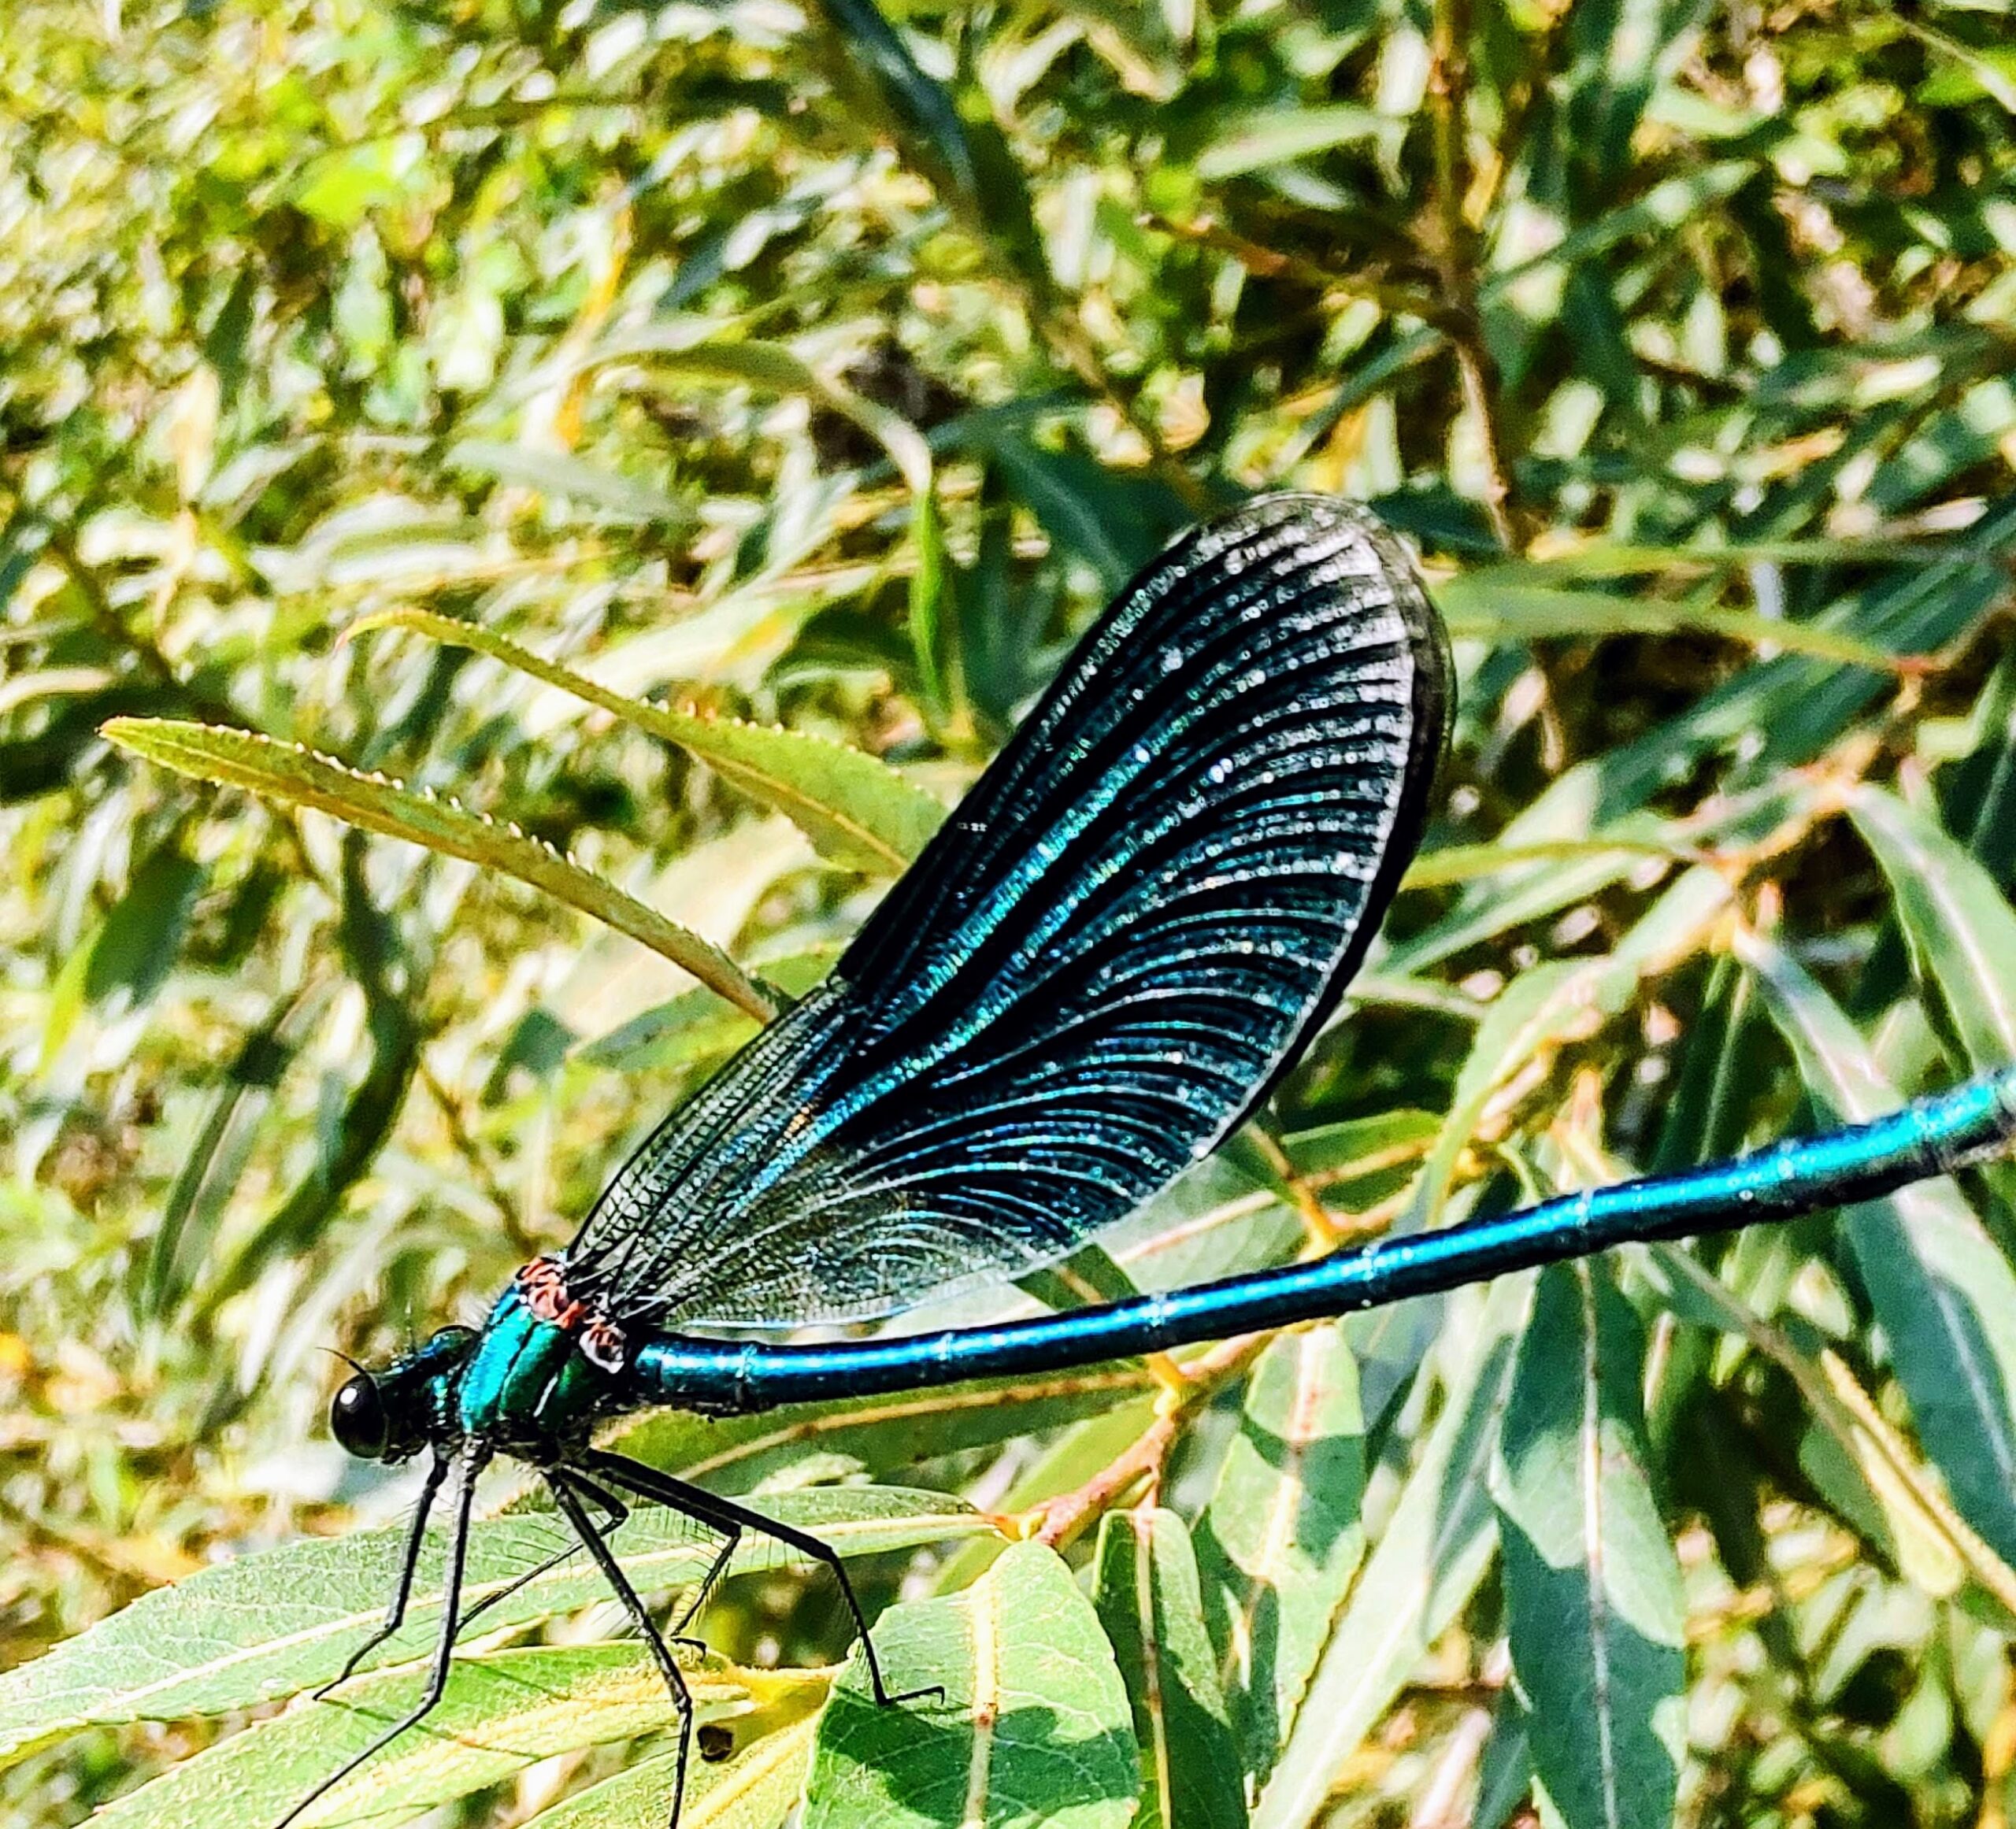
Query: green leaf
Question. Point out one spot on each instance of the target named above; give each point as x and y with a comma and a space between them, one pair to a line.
1962, 930
1493, 909
1484, 606
1035, 1726
1145, 1586
878, 1434
1113, 522
271, 1625
1358, 1161
212, 1167
297, 776
137, 945
1555, 1002
1275, 136
947, 133
1602, 558
671, 350
1453, 864
560, 474
756, 1788
927, 604
1993, 70
1592, 1589
694, 1026
1864, 1471
859, 812
1280, 1539
1945, 1296
342, 186
1433, 1555
501, 1712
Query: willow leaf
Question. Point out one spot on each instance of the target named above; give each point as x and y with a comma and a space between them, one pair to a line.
858, 811
756, 1788
298, 776
1594, 1606
1146, 1588
1280, 1540
500, 1713
1034, 1709
1488, 608
270, 1625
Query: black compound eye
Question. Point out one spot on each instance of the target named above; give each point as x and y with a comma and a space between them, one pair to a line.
357, 1418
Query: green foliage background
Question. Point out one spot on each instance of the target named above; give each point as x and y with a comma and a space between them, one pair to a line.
802, 364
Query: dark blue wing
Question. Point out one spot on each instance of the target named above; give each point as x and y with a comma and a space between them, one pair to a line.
1102, 960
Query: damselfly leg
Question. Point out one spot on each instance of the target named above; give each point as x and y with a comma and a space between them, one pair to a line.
615, 1513
675, 1678
395, 1615
444, 1651
726, 1516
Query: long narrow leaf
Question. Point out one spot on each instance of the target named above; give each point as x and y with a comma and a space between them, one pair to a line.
1437, 1546
271, 1625
1145, 1586
500, 1713
859, 812
296, 776
1033, 1715
1592, 1587
1490, 609
1280, 1539
1945, 1295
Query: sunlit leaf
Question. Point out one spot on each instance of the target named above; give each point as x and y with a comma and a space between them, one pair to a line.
756, 1788
271, 1625
1146, 1589
1592, 1587
1033, 1708
1493, 610
1437, 1545
1957, 918
500, 1713
296, 776
1946, 1297
1280, 1540
859, 812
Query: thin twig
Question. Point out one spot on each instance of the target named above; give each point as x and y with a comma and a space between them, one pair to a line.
1394, 298
1064, 1519
1322, 1230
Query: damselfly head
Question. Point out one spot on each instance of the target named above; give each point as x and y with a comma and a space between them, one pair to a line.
394, 1412
358, 1420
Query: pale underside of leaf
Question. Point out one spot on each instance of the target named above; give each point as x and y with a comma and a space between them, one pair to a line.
856, 810
271, 1625
297, 776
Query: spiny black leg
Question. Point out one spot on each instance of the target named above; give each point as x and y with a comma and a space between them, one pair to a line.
444, 1650
675, 1678
395, 1614
730, 1538
614, 1509
616, 1514
725, 1515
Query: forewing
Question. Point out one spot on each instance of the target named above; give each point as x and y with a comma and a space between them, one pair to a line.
1105, 957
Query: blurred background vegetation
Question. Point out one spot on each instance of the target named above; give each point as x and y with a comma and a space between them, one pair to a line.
815, 366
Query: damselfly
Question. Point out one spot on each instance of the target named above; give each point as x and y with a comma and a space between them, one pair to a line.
1114, 947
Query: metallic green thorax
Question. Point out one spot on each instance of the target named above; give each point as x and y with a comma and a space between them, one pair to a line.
526, 1385
532, 1382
